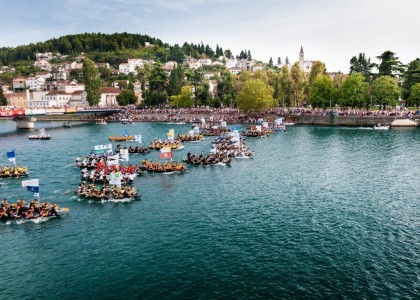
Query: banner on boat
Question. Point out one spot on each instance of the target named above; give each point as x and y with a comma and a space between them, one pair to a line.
100, 149
113, 160
165, 153
31, 185
11, 156
114, 178
124, 155
171, 134
137, 138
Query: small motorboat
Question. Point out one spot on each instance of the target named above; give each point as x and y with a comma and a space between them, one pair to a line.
379, 126
67, 125
100, 122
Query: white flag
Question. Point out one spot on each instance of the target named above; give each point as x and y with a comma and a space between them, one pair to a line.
31, 182
124, 154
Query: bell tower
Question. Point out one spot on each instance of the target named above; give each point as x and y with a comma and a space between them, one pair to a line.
301, 57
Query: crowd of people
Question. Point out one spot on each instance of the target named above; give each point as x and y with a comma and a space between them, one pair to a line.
14, 171
166, 167
35, 209
106, 192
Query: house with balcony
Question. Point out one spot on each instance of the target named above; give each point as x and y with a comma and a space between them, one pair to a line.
235, 71
43, 64
19, 84
36, 83
204, 61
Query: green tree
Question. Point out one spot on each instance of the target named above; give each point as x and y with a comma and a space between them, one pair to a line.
176, 81
385, 91
390, 65
270, 62
126, 97
353, 91
256, 96
3, 100
184, 99
225, 87
411, 77
414, 99
318, 69
298, 85
361, 64
285, 81
143, 74
322, 92
158, 81
276, 93
92, 82
203, 95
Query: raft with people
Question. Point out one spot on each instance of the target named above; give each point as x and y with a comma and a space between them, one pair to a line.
133, 150
121, 138
215, 131
101, 173
184, 138
159, 144
35, 210
166, 167
105, 193
13, 172
209, 159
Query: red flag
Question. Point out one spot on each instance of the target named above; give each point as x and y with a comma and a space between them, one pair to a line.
165, 153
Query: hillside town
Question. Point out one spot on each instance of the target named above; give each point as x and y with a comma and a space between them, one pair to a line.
54, 84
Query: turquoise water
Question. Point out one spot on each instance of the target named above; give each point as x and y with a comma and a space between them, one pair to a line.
319, 212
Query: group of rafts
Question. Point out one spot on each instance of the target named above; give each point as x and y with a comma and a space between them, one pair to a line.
224, 148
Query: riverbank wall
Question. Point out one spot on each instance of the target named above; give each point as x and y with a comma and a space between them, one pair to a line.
324, 120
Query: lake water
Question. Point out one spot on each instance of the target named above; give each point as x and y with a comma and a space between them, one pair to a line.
319, 212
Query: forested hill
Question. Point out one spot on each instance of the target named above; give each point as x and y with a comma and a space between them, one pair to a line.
97, 44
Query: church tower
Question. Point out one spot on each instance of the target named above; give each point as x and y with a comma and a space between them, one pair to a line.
301, 57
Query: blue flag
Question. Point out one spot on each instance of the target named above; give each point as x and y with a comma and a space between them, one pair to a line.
34, 189
11, 156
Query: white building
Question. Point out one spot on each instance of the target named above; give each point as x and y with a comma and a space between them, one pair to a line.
130, 66
231, 63
204, 61
305, 65
35, 83
245, 64
43, 65
109, 96
235, 71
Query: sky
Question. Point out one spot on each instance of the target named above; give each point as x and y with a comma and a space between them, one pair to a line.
331, 31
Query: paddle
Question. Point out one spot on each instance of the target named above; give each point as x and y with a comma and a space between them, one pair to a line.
65, 209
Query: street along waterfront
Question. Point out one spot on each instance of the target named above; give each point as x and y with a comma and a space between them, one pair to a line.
318, 212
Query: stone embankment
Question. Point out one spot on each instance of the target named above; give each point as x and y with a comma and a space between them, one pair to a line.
327, 120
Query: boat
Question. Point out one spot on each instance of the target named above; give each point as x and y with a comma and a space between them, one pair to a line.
211, 159
106, 193
126, 121
67, 124
41, 136
379, 126
15, 172
34, 212
100, 122
134, 150
163, 168
121, 138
